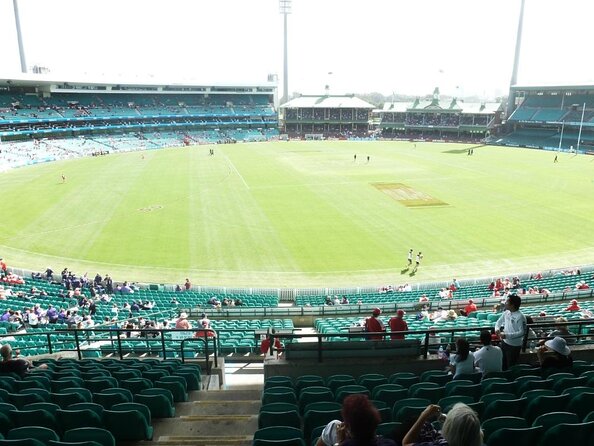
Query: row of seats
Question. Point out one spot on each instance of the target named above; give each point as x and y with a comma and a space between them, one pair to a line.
42, 436
107, 400
304, 402
550, 429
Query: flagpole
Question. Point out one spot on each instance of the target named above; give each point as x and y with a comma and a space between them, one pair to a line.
581, 125
561, 139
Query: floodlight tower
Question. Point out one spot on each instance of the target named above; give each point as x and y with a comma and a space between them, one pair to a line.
285, 10
511, 99
17, 22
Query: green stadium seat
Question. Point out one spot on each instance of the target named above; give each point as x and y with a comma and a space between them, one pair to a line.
508, 436
493, 424
101, 436
575, 434
551, 419
128, 425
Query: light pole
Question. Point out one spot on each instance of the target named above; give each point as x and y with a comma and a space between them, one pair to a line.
511, 100
17, 22
285, 10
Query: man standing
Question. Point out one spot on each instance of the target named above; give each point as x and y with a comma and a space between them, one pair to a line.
511, 328
418, 260
374, 324
108, 284
397, 323
409, 257
489, 358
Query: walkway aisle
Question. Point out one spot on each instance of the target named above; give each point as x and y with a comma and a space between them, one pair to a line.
219, 416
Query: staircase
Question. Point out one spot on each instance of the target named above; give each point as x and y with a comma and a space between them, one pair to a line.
218, 416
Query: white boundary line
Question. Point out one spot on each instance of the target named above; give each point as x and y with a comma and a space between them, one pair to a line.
236, 171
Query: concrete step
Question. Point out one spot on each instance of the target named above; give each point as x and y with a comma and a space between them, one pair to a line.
203, 441
217, 407
211, 426
227, 395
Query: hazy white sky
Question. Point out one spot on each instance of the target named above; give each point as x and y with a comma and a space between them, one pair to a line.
403, 46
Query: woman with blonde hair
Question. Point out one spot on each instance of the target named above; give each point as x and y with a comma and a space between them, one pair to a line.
462, 427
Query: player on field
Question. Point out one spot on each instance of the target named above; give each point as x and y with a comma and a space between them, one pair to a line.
418, 260
409, 257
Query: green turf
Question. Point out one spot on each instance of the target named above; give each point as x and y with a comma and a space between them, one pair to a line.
302, 214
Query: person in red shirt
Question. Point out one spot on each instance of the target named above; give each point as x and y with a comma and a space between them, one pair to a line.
498, 284
397, 323
582, 285
3, 268
265, 345
374, 324
470, 307
573, 306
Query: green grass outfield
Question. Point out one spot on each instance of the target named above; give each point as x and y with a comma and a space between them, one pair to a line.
300, 214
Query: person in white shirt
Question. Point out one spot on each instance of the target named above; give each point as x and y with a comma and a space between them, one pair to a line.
463, 361
511, 328
490, 357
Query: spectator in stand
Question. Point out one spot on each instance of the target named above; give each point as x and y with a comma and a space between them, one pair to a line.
3, 268
462, 427
374, 324
560, 357
265, 345
511, 328
489, 358
470, 307
499, 284
573, 306
182, 322
562, 331
108, 284
397, 323
423, 298
582, 285
360, 420
454, 286
463, 361
19, 366
532, 336
187, 285
204, 320
52, 314
452, 315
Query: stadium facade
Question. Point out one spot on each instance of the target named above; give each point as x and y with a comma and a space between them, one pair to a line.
439, 119
554, 117
32, 109
328, 115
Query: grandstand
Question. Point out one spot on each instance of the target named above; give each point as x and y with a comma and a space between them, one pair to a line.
328, 115
434, 119
551, 118
57, 119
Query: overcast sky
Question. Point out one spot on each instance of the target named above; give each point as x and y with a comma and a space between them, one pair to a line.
465, 47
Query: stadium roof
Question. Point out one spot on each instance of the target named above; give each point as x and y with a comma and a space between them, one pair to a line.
431, 105
553, 87
349, 101
49, 80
